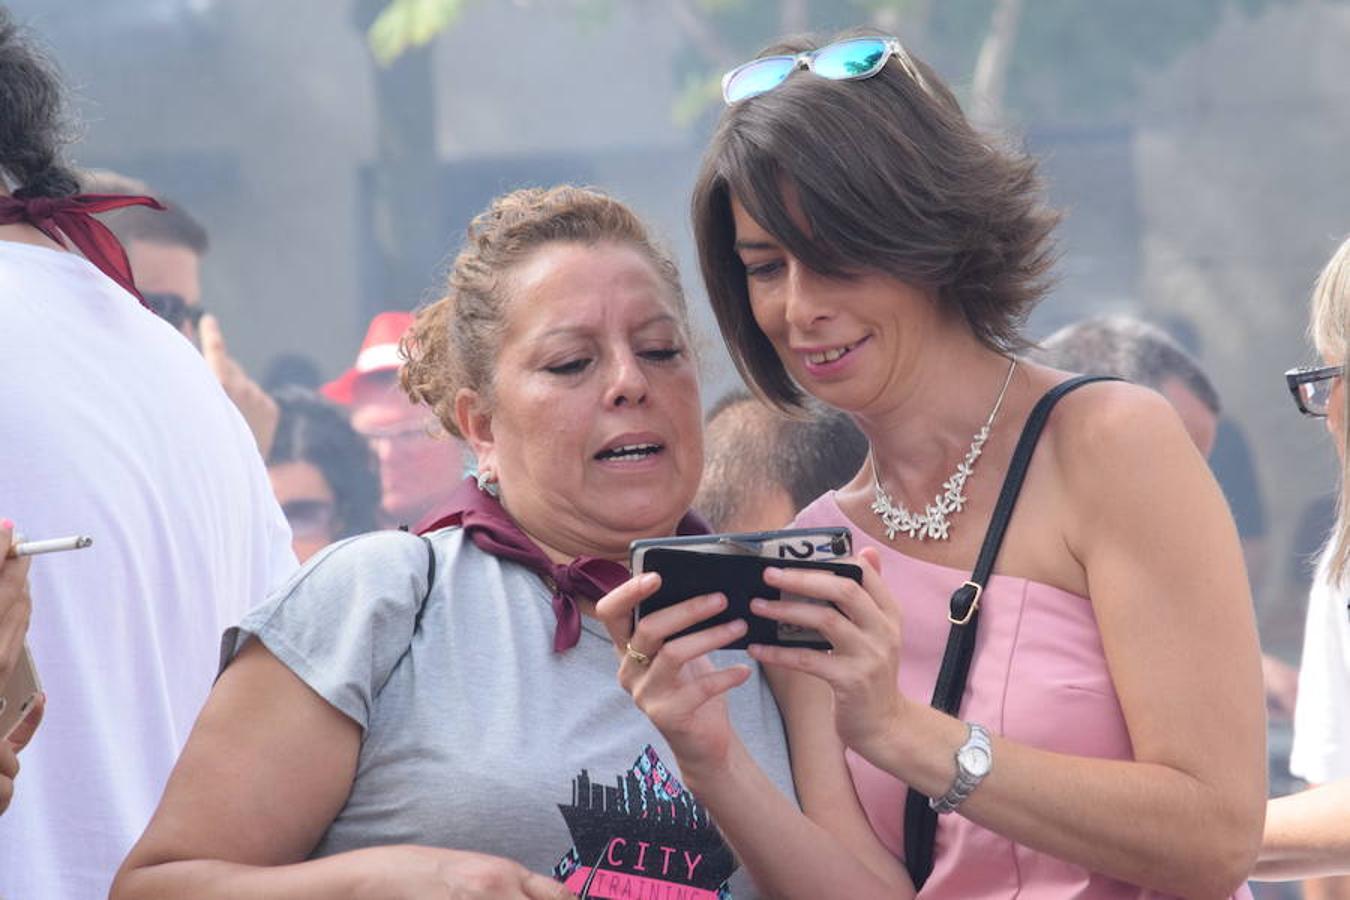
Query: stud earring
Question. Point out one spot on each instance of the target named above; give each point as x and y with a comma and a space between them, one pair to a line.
487, 483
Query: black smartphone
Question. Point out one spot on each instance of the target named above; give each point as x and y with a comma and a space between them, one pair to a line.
689, 573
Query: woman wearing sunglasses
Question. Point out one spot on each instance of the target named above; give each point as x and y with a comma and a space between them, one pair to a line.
322, 472
1308, 834
863, 244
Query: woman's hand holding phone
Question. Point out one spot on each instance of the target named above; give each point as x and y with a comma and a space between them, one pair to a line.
664, 660
10, 747
16, 607
15, 604
672, 680
863, 625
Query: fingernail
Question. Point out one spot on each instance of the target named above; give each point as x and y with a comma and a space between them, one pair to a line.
738, 626
648, 579
716, 601
6, 524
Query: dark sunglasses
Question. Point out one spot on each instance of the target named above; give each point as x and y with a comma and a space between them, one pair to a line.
173, 309
847, 60
1312, 387
310, 518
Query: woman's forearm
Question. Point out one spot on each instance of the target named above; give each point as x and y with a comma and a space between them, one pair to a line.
788, 855
335, 877
1307, 835
388, 872
1144, 823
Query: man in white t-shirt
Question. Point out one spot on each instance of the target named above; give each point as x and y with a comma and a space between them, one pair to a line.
113, 427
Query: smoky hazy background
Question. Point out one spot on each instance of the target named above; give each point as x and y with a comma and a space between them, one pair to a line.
1200, 148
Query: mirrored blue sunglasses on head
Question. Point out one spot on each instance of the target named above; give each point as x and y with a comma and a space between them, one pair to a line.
847, 60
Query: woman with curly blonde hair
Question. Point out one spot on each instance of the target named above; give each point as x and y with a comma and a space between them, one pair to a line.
439, 717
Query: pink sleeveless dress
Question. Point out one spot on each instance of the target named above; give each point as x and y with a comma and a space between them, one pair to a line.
1038, 677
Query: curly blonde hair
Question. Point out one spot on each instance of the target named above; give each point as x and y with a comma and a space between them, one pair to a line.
454, 341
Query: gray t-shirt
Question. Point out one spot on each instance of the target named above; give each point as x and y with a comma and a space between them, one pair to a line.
478, 736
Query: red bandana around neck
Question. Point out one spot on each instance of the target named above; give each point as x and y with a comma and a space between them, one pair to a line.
487, 523
71, 217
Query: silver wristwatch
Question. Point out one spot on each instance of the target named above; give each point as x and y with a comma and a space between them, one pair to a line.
974, 759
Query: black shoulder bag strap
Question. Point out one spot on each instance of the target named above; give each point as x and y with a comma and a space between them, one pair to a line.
431, 576
920, 819
431, 579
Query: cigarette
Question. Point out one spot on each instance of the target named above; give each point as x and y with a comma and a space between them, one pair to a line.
52, 545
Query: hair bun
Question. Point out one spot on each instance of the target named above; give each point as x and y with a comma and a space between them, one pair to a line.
51, 181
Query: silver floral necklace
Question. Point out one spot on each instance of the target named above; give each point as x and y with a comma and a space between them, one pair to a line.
933, 523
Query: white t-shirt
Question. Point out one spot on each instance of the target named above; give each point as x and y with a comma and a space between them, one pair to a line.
112, 426
1321, 751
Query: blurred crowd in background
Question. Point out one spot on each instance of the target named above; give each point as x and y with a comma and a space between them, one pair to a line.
320, 161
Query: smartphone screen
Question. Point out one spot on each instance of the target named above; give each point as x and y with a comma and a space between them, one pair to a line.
686, 573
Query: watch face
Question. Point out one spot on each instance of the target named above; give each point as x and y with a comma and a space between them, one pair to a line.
975, 760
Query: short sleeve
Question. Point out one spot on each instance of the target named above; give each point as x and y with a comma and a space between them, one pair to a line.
1321, 750
343, 621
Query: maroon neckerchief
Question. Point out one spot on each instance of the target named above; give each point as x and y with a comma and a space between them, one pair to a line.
487, 523
70, 217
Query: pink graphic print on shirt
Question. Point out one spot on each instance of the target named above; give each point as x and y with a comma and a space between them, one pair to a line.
645, 838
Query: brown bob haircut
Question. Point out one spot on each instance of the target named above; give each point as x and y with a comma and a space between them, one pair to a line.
891, 178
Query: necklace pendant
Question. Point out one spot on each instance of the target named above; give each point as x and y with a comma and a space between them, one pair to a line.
932, 524
896, 518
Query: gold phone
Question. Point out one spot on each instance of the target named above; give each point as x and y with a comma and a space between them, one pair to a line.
20, 693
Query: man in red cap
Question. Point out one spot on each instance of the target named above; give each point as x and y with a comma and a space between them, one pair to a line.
419, 465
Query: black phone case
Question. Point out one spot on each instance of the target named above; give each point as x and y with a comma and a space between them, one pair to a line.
686, 574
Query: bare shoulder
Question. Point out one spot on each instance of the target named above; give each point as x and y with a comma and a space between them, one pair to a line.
1123, 463
1115, 428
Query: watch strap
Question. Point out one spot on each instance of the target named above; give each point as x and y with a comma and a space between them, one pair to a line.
966, 780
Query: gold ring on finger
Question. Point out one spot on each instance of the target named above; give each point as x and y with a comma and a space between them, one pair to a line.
637, 656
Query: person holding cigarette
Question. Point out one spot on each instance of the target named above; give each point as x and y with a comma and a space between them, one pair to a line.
16, 606
114, 427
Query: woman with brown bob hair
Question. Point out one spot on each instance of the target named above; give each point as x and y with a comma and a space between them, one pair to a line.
1082, 689
439, 717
